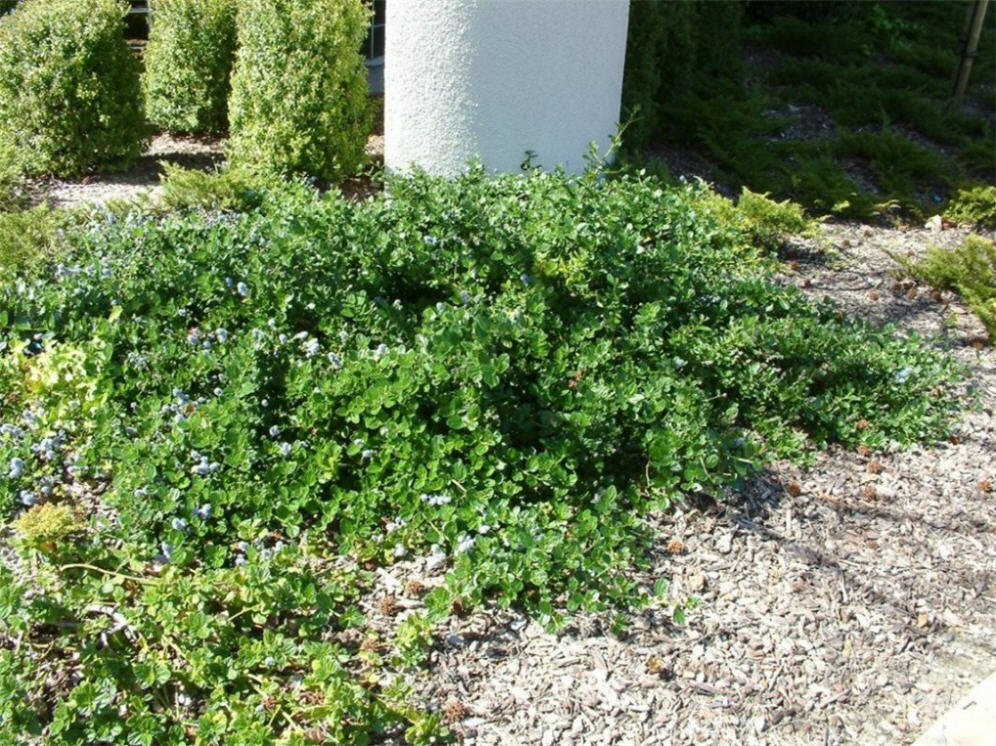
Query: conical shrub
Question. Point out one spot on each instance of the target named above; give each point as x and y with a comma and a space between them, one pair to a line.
188, 64
69, 89
299, 101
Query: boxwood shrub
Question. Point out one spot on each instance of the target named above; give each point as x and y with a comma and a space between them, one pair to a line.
672, 46
10, 176
299, 89
188, 64
69, 93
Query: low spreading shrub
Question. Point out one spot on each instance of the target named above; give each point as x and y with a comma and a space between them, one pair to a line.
766, 223
769, 222
844, 113
974, 206
299, 102
209, 657
188, 64
69, 95
502, 378
29, 236
969, 270
230, 188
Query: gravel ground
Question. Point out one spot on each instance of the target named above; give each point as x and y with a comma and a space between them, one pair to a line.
851, 601
189, 152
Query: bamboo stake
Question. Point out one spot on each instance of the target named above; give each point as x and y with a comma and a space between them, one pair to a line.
966, 27
969, 50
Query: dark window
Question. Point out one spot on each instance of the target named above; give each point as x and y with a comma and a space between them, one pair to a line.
373, 47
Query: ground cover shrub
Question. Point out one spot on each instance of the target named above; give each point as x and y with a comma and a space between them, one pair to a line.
900, 166
188, 65
763, 222
504, 377
245, 654
299, 102
858, 96
28, 236
769, 222
969, 270
231, 188
879, 72
69, 95
974, 206
741, 141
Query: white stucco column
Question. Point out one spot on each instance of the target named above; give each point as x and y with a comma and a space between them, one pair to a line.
495, 78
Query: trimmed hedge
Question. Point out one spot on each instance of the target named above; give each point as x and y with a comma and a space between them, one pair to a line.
299, 101
69, 94
10, 176
670, 45
660, 50
188, 64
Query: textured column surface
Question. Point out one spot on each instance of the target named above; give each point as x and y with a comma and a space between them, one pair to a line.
496, 78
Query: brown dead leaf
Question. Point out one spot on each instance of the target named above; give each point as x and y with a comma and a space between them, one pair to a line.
387, 605
454, 711
675, 546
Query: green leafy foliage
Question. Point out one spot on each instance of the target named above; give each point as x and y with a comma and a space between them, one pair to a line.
670, 45
27, 236
974, 206
969, 270
188, 64
11, 177
502, 377
299, 101
230, 188
532, 344
246, 654
843, 111
69, 93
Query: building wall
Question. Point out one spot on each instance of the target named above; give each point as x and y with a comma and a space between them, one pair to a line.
497, 78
